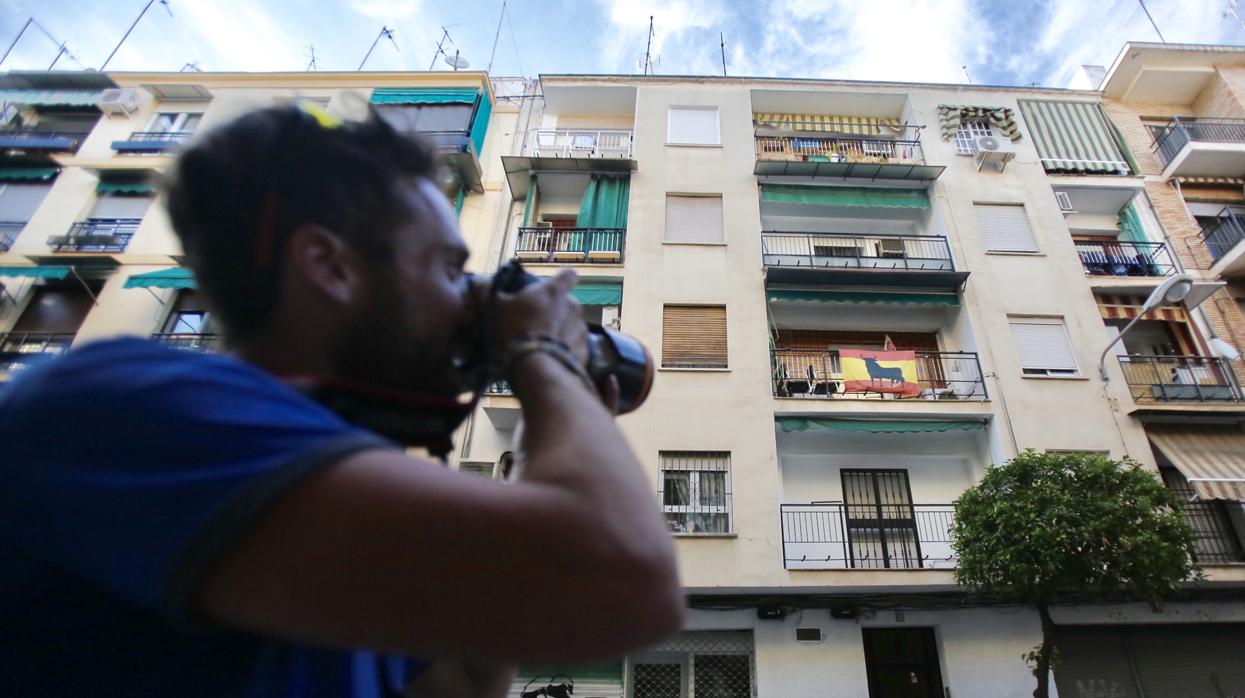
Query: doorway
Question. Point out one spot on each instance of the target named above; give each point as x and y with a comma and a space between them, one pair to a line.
902, 663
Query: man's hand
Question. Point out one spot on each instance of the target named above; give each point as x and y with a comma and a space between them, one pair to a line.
462, 678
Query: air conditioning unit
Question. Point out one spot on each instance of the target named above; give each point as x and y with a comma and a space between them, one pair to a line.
1065, 202
992, 149
119, 101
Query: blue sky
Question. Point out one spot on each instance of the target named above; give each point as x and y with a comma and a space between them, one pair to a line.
1010, 42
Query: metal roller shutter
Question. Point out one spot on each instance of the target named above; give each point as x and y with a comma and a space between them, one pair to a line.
694, 219
1005, 228
1043, 346
1155, 661
693, 126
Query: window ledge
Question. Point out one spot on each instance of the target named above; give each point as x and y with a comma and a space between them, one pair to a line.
692, 369
704, 535
693, 145
694, 244
1008, 253
1056, 378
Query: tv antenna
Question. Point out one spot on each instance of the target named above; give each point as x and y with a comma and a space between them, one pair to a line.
495, 35
385, 33
966, 75
726, 57
648, 49
445, 39
1156, 27
192, 66
135, 24
311, 65
1231, 12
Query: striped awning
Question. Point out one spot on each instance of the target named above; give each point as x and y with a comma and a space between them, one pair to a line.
1128, 307
38, 174
51, 98
827, 123
1073, 136
1229, 181
1212, 458
950, 116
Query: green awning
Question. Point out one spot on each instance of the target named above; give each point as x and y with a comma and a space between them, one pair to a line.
51, 98
173, 277
41, 174
875, 197
865, 297
598, 293
125, 186
406, 95
877, 426
35, 272
1072, 136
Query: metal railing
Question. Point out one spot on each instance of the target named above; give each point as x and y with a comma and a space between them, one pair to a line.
837, 535
449, 140
941, 375
160, 136
96, 235
852, 251
570, 245
1124, 258
1182, 131
189, 341
839, 149
1225, 234
9, 230
1179, 378
1215, 541
580, 143
57, 139
18, 348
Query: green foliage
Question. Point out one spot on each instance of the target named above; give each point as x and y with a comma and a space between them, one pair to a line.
1042, 526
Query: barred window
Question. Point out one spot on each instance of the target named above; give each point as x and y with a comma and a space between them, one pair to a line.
970, 129
705, 664
696, 491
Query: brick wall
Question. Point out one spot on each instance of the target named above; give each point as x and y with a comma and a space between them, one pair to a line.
1222, 96
1127, 118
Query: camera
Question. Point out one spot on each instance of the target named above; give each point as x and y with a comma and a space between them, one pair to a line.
610, 353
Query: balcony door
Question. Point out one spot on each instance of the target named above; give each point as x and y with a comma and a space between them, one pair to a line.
880, 520
902, 663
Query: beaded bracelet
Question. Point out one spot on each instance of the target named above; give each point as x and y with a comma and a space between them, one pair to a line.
557, 349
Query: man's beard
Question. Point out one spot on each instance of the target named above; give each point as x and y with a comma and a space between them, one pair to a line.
380, 349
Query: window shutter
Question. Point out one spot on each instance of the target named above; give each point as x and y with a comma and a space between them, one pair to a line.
19, 201
1043, 345
108, 206
694, 219
689, 126
1005, 228
693, 336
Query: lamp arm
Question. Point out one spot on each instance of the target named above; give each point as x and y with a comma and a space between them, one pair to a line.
1102, 360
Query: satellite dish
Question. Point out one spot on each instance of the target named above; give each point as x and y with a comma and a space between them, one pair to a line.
456, 61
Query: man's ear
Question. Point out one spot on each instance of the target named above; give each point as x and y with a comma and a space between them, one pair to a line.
320, 259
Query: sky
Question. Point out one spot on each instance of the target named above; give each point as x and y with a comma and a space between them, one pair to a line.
1009, 42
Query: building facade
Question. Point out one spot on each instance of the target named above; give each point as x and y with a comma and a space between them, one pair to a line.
860, 296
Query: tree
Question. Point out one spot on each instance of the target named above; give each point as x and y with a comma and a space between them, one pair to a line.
1076, 526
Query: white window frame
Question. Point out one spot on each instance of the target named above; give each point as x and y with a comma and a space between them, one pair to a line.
717, 126
1036, 372
179, 120
694, 506
968, 131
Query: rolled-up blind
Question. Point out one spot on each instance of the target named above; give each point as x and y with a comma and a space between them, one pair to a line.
693, 126
696, 219
1043, 346
1005, 228
693, 336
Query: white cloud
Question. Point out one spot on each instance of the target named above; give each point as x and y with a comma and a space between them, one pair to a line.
391, 10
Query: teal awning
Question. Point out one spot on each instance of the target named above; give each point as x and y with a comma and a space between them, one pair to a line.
598, 293
35, 272
41, 174
51, 98
124, 186
865, 297
407, 95
877, 426
875, 197
174, 277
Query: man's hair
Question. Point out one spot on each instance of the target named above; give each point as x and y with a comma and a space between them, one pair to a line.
235, 195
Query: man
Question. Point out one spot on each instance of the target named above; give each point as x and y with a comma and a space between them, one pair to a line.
175, 524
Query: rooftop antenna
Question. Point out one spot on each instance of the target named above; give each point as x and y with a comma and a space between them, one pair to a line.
445, 38
1231, 11
134, 24
496, 34
311, 65
648, 61
966, 75
62, 47
385, 33
192, 66
722, 45
1156, 27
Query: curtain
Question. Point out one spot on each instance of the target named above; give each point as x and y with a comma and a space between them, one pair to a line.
1130, 225
604, 206
529, 206
678, 489
713, 489
950, 116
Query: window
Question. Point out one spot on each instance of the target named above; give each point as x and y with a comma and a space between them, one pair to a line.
484, 470
1044, 347
694, 219
696, 491
693, 336
189, 315
18, 201
705, 663
693, 126
119, 207
1005, 228
171, 122
969, 130
428, 118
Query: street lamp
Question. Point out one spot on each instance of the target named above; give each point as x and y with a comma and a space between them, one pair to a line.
1170, 292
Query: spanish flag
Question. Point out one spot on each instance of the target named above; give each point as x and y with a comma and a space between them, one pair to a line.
870, 371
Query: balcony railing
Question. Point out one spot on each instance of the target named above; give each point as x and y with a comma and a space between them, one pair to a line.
152, 141
1180, 379
570, 245
189, 341
575, 143
1122, 258
96, 235
1215, 541
835, 535
941, 375
839, 149
41, 139
18, 348
1224, 235
852, 251
1181, 132
9, 230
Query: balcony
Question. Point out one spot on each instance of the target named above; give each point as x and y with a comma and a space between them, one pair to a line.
9, 230
1215, 541
583, 144
570, 245
188, 341
1202, 147
1121, 258
1180, 379
1223, 240
44, 140
570, 152
800, 373
98, 235
838, 536
18, 348
843, 156
848, 258
151, 141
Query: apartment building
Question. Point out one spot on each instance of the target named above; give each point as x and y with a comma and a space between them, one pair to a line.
860, 296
